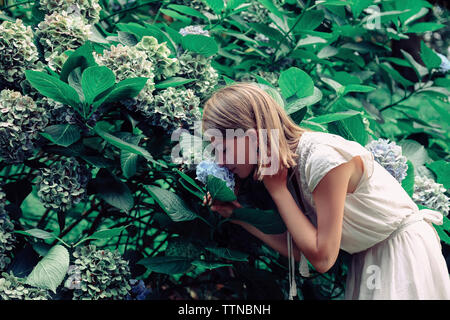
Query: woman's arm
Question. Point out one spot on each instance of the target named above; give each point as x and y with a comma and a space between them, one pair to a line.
319, 245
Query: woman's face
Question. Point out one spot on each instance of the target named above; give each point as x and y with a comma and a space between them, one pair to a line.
238, 154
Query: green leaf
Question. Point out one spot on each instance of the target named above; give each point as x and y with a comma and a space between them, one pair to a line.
127, 38
188, 179
128, 160
125, 89
408, 182
228, 254
53, 88
37, 233
113, 190
216, 5
176, 15
210, 264
219, 189
188, 11
82, 57
395, 75
429, 57
424, 27
357, 88
51, 270
295, 81
200, 44
172, 204
441, 169
62, 134
268, 221
173, 82
96, 80
122, 144
298, 104
166, 264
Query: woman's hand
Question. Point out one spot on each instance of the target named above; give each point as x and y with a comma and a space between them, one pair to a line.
225, 209
277, 182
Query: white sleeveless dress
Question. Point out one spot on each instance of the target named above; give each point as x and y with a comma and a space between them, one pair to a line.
396, 252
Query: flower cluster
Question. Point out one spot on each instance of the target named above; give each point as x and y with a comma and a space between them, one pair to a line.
256, 12
14, 288
164, 66
104, 275
271, 76
194, 30
89, 10
191, 151
129, 62
7, 237
197, 66
206, 168
138, 290
63, 185
389, 156
175, 108
58, 33
17, 51
445, 63
430, 194
58, 112
262, 38
20, 122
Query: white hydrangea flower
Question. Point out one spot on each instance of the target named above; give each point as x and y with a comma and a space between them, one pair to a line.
431, 194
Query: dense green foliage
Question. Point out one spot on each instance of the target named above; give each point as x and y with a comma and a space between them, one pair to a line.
91, 91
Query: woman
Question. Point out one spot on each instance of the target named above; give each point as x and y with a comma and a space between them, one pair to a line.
351, 202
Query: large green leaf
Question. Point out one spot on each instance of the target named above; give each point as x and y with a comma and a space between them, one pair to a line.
441, 169
268, 221
424, 27
53, 88
120, 143
295, 81
429, 57
210, 264
96, 80
172, 204
327, 118
219, 189
62, 134
125, 89
51, 270
104, 234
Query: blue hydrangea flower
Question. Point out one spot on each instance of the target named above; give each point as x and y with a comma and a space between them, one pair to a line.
389, 156
445, 63
138, 290
205, 167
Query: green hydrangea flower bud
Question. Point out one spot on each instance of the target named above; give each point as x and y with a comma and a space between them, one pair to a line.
21, 120
431, 194
103, 274
14, 288
89, 10
63, 184
17, 51
175, 108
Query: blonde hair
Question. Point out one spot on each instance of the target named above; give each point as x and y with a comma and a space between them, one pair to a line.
244, 105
